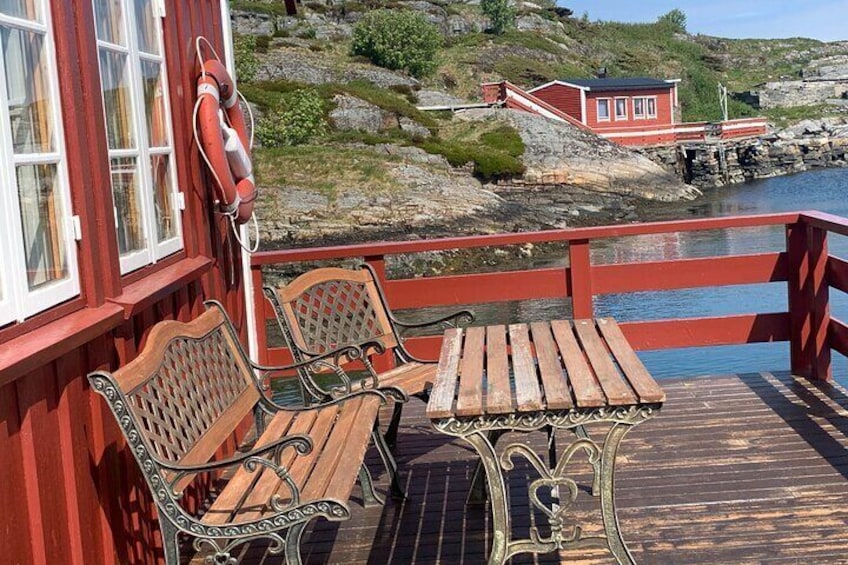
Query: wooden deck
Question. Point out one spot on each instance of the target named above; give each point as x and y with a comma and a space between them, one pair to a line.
737, 469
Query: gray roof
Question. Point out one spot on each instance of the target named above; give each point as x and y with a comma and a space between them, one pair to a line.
635, 83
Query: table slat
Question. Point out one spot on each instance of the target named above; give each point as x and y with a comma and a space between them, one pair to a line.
640, 379
528, 395
557, 396
615, 388
587, 391
498, 393
441, 397
470, 398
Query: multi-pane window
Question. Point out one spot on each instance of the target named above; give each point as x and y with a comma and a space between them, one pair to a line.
645, 107
38, 266
603, 109
621, 108
138, 130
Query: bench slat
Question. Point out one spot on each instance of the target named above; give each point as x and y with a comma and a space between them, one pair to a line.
587, 391
528, 395
498, 394
470, 399
615, 388
640, 379
347, 470
244, 484
441, 397
557, 395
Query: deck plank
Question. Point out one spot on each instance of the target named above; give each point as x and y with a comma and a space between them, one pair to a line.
735, 469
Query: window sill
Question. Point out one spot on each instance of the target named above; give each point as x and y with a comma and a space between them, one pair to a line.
146, 292
34, 349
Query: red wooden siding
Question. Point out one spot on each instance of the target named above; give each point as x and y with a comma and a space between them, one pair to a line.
664, 108
70, 492
562, 97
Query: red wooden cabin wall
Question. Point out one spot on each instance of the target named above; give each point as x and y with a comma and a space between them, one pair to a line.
664, 109
70, 493
565, 98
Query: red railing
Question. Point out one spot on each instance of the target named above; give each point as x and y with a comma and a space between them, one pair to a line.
804, 265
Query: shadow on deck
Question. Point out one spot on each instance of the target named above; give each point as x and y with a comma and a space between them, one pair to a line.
737, 469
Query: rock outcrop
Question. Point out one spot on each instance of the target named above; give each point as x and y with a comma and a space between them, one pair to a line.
561, 154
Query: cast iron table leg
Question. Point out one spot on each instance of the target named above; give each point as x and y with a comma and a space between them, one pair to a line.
608, 512
497, 496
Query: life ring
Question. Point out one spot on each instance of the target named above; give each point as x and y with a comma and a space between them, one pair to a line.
224, 140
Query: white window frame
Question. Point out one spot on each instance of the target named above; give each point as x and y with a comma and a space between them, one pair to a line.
153, 251
615, 109
648, 100
644, 113
598, 109
18, 302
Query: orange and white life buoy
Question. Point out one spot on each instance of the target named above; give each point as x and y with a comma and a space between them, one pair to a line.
224, 140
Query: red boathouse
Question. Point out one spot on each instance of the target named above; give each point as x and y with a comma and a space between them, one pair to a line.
629, 111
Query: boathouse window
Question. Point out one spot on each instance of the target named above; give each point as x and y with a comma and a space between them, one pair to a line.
603, 109
644, 107
621, 108
651, 104
38, 267
138, 130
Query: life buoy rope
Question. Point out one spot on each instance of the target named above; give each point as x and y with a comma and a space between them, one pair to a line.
222, 138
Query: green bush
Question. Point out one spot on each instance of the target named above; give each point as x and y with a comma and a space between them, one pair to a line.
263, 42
247, 64
302, 119
489, 163
501, 13
675, 20
397, 39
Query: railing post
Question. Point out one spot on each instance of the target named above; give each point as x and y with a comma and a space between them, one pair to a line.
261, 319
809, 296
580, 269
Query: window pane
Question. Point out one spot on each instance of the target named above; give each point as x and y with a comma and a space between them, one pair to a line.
162, 191
109, 15
603, 109
114, 80
620, 108
154, 104
24, 9
652, 107
27, 90
42, 221
127, 205
638, 106
145, 21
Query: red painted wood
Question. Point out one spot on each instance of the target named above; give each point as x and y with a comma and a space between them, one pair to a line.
478, 288
264, 314
719, 330
564, 98
839, 336
800, 320
819, 304
825, 221
156, 287
30, 351
837, 273
580, 271
475, 241
689, 273
664, 108
15, 539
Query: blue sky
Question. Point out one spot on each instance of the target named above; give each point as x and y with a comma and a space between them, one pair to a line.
826, 20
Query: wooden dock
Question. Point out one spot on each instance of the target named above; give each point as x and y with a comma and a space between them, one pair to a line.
736, 469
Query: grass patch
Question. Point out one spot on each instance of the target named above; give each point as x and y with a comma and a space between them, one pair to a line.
783, 117
324, 169
271, 9
495, 152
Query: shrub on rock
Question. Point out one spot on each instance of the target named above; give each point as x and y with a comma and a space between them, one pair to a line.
398, 39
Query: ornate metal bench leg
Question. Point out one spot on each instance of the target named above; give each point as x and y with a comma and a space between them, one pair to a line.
170, 542
581, 433
611, 527
392, 431
389, 462
293, 544
369, 495
477, 491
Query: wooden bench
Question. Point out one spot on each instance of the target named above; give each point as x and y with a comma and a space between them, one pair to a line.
328, 308
180, 400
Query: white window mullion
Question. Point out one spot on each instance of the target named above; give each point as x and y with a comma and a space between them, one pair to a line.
11, 232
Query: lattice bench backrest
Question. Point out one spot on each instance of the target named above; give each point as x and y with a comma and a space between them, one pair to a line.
330, 308
189, 388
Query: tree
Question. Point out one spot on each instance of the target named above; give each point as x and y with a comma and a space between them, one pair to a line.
501, 13
675, 19
398, 39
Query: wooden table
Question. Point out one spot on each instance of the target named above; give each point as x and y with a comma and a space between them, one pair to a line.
545, 375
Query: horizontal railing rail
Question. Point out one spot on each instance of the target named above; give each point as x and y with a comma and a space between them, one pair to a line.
804, 265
